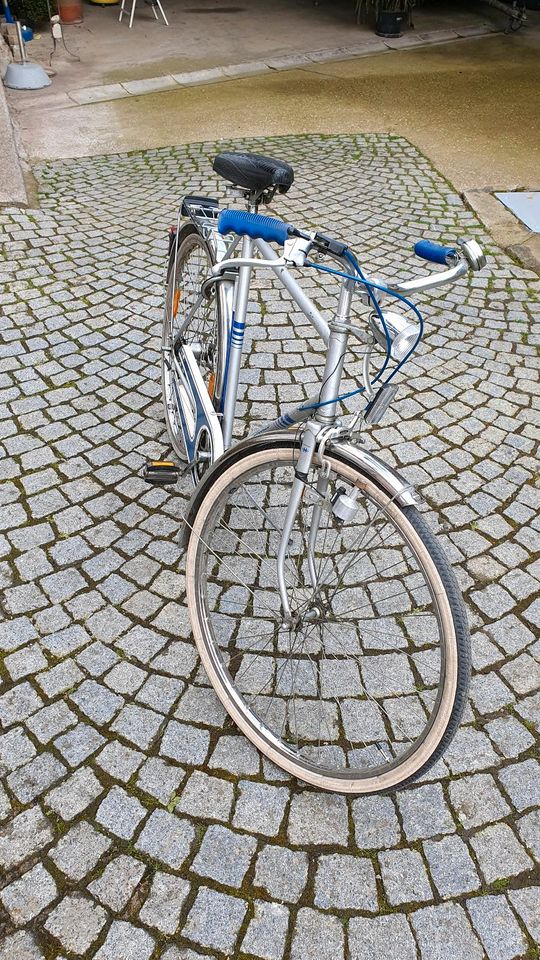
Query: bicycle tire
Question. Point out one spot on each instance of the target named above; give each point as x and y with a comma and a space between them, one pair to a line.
441, 726
205, 327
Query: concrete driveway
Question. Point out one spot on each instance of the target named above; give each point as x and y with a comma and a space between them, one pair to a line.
135, 821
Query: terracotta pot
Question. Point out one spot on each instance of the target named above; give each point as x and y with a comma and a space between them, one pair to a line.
70, 11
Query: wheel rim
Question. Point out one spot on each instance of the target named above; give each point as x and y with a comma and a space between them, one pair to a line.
183, 289
359, 694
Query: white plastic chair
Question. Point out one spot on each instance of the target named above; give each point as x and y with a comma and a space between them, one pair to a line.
152, 3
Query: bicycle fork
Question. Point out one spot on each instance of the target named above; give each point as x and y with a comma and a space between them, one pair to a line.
325, 416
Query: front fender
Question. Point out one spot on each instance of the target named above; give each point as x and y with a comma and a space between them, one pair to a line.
368, 463
380, 472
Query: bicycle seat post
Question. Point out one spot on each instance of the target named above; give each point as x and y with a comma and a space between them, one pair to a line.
252, 198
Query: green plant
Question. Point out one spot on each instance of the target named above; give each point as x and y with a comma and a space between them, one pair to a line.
31, 12
375, 7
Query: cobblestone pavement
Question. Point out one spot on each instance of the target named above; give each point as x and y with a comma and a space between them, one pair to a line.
135, 821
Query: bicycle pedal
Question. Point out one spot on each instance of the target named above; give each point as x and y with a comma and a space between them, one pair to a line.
161, 473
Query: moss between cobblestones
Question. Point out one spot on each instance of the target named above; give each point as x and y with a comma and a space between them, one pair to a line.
248, 892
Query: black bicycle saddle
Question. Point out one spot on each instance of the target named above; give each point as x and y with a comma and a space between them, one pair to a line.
251, 172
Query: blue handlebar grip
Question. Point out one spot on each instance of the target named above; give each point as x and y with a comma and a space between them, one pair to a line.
433, 251
253, 225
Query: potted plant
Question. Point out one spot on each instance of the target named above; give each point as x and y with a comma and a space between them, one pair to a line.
389, 14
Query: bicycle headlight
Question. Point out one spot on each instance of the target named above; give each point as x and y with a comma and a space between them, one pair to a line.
402, 332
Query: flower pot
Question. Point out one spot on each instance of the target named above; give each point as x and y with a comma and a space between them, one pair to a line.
389, 23
70, 11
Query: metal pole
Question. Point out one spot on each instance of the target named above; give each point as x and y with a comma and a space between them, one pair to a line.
22, 47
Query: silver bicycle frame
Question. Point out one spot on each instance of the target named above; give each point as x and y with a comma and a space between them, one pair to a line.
237, 326
321, 411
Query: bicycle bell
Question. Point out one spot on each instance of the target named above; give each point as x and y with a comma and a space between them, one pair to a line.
402, 332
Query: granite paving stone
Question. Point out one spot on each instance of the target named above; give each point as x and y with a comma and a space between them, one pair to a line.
138, 725
497, 928
15, 750
78, 743
526, 903
117, 882
224, 856
6, 808
166, 838
233, 754
76, 923
27, 897
372, 936
260, 808
208, 798
95, 659
25, 662
50, 721
16, 632
161, 780
75, 794
60, 678
180, 953
27, 833
215, 919
318, 818
529, 830
444, 932
184, 743
34, 778
21, 945
404, 877
345, 883
281, 872
124, 939
97, 702
159, 692
424, 812
164, 903
375, 823
119, 761
120, 813
521, 782
477, 800
125, 678
317, 935
18, 704
509, 736
267, 931
78, 851
200, 705
499, 852
451, 867
116, 755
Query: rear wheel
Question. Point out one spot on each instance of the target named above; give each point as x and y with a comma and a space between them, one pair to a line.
190, 264
365, 688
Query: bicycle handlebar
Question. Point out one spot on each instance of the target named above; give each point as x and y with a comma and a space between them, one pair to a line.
435, 252
270, 229
254, 225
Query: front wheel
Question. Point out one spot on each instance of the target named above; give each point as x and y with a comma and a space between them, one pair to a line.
364, 688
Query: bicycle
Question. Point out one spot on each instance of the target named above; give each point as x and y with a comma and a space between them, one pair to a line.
326, 615
516, 13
